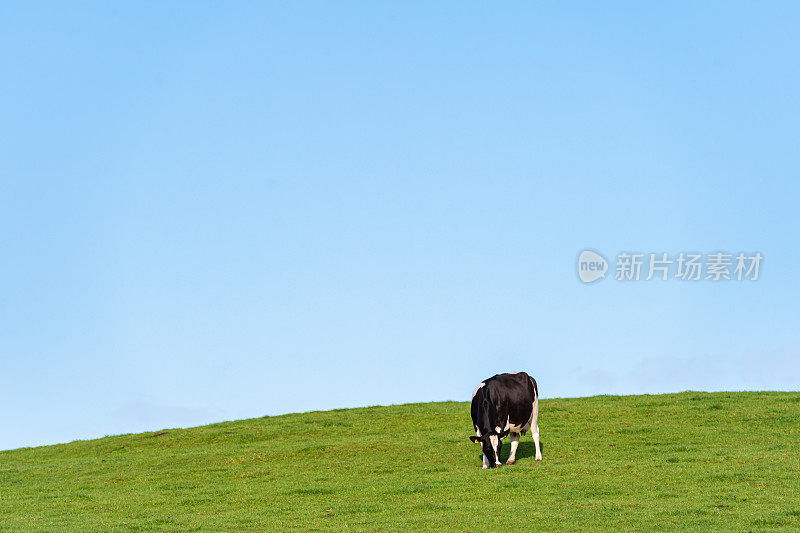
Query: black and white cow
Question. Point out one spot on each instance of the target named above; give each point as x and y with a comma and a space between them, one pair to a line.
505, 404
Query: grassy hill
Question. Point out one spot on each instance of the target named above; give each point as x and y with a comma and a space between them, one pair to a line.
727, 461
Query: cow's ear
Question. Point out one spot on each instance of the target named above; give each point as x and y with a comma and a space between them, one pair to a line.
474, 439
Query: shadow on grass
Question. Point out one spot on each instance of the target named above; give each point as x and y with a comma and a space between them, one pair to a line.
525, 449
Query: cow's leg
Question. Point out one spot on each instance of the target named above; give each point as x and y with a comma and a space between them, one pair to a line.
535, 428
512, 457
485, 463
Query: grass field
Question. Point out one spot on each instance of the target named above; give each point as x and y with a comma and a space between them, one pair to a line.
725, 461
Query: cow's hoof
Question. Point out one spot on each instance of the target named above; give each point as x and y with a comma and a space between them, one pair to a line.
510, 462
484, 467
539, 458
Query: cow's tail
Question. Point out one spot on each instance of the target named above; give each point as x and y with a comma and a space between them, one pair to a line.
535, 388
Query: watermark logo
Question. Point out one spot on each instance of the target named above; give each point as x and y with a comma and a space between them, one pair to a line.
591, 266
684, 266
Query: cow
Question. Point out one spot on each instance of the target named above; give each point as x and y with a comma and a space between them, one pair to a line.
505, 404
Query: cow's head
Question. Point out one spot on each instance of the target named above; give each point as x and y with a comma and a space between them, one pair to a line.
491, 444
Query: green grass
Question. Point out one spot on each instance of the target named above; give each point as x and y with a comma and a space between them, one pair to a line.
723, 461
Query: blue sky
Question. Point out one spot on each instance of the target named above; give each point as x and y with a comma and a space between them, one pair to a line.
212, 211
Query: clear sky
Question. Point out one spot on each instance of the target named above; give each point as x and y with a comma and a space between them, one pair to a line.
213, 211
